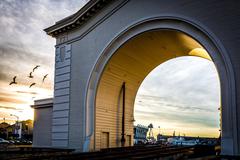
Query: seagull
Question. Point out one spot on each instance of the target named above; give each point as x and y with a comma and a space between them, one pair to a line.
32, 85
30, 75
35, 67
44, 77
14, 81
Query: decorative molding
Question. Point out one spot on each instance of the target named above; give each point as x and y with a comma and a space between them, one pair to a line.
43, 103
78, 19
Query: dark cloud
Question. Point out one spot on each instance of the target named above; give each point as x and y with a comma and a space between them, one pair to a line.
14, 62
26, 92
11, 108
12, 100
14, 57
167, 102
7, 94
176, 117
3, 75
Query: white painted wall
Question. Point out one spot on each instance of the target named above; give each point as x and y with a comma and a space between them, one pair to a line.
218, 21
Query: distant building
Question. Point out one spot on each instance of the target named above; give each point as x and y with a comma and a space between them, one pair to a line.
4, 130
140, 134
27, 129
17, 129
161, 138
22, 129
182, 141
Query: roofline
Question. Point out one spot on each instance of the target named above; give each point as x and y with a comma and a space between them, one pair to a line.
43, 103
49, 105
77, 19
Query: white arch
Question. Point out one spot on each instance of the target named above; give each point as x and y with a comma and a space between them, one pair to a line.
207, 39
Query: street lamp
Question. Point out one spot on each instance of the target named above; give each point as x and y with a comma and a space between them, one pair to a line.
15, 116
27, 128
17, 124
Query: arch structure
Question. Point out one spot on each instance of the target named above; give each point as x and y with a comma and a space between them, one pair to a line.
107, 44
130, 64
130, 60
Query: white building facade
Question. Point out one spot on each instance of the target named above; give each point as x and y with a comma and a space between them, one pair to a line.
104, 45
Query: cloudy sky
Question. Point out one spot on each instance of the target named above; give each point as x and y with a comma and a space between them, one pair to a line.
23, 45
181, 94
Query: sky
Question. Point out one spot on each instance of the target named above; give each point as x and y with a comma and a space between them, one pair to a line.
182, 94
23, 45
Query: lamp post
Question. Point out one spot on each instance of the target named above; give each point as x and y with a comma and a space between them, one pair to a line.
27, 128
17, 124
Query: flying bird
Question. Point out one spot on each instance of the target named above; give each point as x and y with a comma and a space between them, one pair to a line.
32, 85
44, 77
14, 81
35, 68
30, 75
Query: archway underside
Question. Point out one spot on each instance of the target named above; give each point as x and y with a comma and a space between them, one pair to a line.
131, 63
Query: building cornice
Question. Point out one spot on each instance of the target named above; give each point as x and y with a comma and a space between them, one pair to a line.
78, 19
43, 103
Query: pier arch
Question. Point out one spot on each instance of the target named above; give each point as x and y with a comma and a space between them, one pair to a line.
130, 57
88, 41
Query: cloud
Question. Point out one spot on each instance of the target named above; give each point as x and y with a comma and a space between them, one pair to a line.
195, 77
26, 92
183, 91
11, 108
3, 75
178, 118
143, 100
14, 62
24, 44
13, 100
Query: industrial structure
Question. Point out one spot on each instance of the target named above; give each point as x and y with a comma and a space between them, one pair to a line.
106, 49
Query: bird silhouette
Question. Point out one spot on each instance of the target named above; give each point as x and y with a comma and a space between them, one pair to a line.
32, 85
14, 81
35, 68
30, 75
44, 77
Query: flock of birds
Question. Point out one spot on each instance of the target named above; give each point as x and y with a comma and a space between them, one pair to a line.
29, 76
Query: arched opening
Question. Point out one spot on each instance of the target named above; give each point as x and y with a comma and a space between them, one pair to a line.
181, 97
129, 65
229, 132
